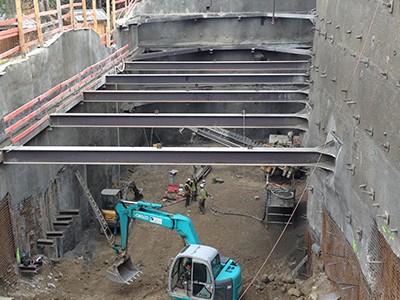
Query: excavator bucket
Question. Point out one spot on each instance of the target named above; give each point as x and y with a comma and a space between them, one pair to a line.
123, 271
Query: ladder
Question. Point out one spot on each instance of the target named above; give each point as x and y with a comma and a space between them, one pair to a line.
97, 212
226, 137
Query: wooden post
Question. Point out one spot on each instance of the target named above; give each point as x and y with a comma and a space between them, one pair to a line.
71, 12
126, 4
20, 28
38, 22
84, 13
108, 37
59, 15
113, 14
94, 15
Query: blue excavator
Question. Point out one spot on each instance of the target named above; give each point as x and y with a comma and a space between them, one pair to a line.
197, 272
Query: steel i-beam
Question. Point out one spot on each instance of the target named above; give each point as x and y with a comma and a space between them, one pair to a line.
217, 66
168, 156
209, 79
179, 120
153, 96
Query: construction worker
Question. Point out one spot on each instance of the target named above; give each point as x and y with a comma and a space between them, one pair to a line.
193, 190
187, 192
202, 196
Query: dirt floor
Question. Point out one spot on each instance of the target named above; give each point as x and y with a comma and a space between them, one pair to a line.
81, 275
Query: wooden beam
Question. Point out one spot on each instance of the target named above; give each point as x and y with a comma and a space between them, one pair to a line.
38, 22
71, 12
113, 14
84, 13
59, 15
94, 15
20, 28
108, 28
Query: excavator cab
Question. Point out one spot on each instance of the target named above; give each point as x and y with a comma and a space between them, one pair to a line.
211, 277
109, 198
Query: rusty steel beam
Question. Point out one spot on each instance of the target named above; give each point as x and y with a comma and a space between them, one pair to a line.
217, 66
208, 79
179, 120
309, 157
298, 95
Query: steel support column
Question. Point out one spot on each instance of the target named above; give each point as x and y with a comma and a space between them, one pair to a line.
197, 96
179, 120
168, 156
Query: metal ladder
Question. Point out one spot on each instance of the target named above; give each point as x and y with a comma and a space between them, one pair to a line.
226, 137
99, 216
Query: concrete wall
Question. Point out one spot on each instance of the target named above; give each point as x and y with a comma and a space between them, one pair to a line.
163, 24
355, 94
49, 188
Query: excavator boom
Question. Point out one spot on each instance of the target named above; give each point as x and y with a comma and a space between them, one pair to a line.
123, 270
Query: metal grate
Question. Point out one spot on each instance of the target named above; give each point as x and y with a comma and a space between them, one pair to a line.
8, 272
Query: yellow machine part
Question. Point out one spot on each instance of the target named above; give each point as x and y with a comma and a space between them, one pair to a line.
109, 215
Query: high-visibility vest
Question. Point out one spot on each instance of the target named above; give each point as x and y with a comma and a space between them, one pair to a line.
187, 189
193, 186
202, 195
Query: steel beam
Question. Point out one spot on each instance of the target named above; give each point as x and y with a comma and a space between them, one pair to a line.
179, 120
209, 79
169, 156
215, 66
196, 96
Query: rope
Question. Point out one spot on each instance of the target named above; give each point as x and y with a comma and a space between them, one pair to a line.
318, 160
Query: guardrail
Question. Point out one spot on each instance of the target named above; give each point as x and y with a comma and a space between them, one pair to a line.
26, 119
18, 34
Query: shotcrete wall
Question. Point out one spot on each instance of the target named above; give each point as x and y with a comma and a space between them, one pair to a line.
171, 24
355, 95
38, 192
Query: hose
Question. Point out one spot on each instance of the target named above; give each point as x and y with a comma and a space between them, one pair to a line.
215, 210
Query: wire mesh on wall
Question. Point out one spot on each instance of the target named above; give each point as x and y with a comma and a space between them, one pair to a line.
8, 272
382, 278
341, 263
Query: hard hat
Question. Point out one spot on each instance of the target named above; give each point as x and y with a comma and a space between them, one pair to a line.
202, 185
204, 181
188, 180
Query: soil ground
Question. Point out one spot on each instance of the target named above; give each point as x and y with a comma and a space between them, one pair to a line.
81, 274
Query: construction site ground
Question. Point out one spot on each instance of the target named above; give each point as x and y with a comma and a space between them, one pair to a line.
82, 273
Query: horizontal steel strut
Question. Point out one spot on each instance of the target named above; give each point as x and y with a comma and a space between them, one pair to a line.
168, 156
212, 79
178, 120
196, 96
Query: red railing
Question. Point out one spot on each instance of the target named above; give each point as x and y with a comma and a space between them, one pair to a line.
10, 38
23, 120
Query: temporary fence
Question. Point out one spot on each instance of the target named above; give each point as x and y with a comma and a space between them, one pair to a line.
19, 34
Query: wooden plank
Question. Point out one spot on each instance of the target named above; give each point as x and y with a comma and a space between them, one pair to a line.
94, 15
71, 12
84, 14
20, 28
59, 15
38, 23
108, 28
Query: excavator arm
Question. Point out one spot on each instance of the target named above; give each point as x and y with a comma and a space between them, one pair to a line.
123, 271
150, 213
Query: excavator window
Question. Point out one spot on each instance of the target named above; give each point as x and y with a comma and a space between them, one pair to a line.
201, 281
181, 276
